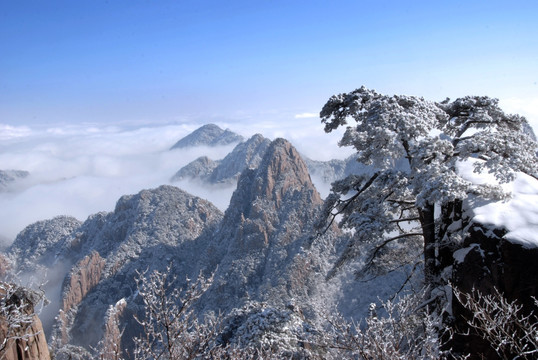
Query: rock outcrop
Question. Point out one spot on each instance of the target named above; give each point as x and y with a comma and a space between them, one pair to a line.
246, 155
22, 334
208, 135
269, 218
488, 263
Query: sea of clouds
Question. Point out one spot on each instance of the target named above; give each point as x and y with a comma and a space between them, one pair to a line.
81, 169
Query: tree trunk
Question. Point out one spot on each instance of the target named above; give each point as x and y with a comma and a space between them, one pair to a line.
431, 266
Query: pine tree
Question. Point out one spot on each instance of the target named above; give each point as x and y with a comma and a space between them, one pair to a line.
414, 193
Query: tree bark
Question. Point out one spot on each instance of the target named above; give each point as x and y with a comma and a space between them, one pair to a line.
431, 268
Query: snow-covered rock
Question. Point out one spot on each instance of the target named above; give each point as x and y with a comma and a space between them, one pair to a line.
246, 155
208, 135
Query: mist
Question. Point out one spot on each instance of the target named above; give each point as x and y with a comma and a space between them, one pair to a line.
79, 170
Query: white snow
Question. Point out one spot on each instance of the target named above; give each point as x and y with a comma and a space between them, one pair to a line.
459, 255
518, 215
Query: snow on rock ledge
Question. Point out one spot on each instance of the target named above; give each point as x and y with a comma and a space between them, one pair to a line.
518, 215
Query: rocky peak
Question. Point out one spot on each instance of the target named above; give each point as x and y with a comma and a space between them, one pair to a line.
281, 180
201, 168
208, 135
282, 173
269, 218
245, 155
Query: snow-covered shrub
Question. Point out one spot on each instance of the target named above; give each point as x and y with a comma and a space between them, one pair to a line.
171, 329
510, 331
402, 329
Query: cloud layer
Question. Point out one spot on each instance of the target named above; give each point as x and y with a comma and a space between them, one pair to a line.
83, 169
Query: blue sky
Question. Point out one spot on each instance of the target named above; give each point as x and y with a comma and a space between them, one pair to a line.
179, 61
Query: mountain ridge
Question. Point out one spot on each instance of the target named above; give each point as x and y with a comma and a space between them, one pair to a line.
208, 135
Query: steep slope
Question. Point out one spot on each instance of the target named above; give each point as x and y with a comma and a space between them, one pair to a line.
22, 334
100, 257
245, 155
268, 221
208, 135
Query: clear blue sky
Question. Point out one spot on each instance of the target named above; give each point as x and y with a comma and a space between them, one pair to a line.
164, 61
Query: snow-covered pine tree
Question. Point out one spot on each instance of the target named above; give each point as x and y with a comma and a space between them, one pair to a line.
414, 193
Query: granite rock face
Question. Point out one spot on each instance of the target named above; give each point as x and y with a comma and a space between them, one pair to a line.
28, 341
246, 155
208, 135
261, 237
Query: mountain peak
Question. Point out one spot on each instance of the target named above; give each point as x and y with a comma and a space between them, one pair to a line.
279, 187
282, 172
208, 135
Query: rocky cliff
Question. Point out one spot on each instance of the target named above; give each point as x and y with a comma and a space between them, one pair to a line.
268, 221
20, 328
487, 263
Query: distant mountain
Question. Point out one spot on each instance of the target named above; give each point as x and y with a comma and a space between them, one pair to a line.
201, 169
264, 252
245, 155
248, 154
9, 177
208, 135
332, 170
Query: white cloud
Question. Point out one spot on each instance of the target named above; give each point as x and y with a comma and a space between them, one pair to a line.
306, 115
79, 170
8, 132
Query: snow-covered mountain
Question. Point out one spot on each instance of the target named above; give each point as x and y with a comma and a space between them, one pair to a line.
9, 177
248, 154
245, 155
265, 254
208, 135
257, 248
